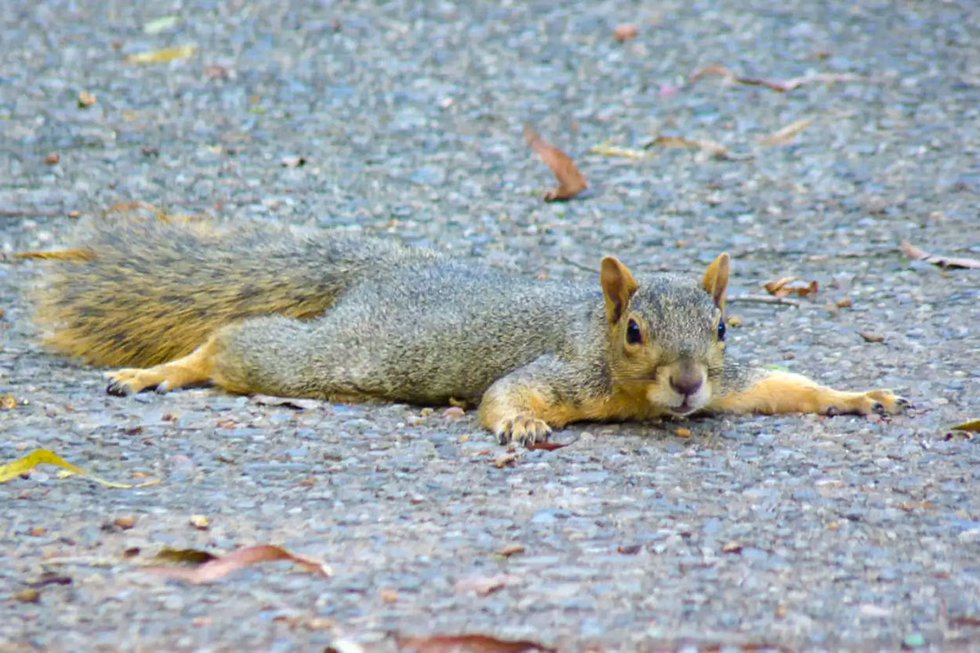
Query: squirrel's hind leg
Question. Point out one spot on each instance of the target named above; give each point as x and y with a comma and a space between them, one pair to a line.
195, 368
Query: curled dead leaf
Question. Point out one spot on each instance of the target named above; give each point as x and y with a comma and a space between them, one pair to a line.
791, 286
571, 181
220, 567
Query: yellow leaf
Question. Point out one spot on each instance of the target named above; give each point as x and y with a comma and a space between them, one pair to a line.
45, 457
163, 56
972, 426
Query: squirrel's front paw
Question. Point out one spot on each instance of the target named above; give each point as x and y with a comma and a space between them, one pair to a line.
880, 402
523, 429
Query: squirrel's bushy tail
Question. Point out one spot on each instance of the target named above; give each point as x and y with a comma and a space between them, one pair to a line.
150, 290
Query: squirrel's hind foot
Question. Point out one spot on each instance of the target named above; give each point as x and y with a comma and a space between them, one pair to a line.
194, 369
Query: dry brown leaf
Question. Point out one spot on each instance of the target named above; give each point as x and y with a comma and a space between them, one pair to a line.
546, 446
86, 99
468, 644
571, 181
870, 336
220, 567
787, 134
914, 252
484, 585
125, 522
53, 159
510, 549
709, 147
682, 432
791, 286
200, 522
626, 32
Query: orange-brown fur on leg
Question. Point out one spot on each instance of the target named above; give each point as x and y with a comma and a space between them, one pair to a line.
774, 392
196, 368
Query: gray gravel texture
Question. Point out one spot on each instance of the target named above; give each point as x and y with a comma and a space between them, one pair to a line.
793, 532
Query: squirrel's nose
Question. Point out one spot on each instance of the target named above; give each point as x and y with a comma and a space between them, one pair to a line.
686, 383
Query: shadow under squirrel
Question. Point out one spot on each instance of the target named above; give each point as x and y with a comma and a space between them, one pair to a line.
263, 310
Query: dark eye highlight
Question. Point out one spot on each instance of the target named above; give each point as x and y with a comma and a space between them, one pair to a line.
633, 334
721, 330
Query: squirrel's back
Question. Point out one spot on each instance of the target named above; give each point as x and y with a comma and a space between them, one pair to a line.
148, 291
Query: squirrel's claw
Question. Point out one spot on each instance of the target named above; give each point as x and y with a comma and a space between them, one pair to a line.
522, 429
877, 402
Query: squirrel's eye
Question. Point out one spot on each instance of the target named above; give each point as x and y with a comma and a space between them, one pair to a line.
721, 330
633, 334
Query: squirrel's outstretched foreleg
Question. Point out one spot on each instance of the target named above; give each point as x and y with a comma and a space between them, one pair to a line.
774, 391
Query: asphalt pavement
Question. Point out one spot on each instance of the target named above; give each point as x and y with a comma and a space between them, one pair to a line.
818, 137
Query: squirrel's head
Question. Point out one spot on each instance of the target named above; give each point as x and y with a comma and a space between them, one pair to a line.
667, 335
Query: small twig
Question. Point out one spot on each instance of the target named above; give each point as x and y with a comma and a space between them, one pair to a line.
32, 213
580, 266
763, 299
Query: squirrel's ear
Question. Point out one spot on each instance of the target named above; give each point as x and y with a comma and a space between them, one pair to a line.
716, 280
618, 285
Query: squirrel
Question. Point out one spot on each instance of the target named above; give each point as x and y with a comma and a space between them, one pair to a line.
345, 317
